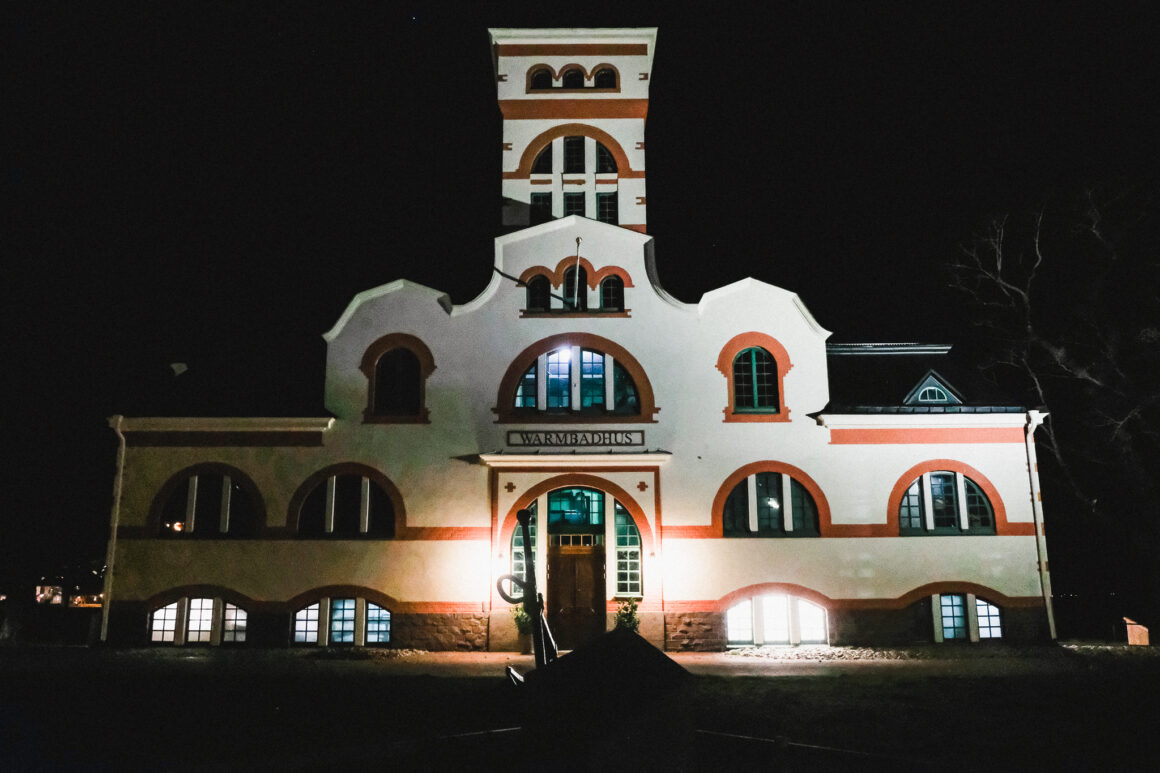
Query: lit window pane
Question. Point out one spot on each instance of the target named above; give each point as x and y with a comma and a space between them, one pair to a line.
811, 622
990, 626
910, 510
559, 379
342, 621
200, 621
944, 502
378, 624
628, 568
163, 626
234, 624
306, 625
739, 623
954, 616
775, 610
769, 519
591, 379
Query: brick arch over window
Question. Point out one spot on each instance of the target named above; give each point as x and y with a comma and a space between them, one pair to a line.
200, 591
306, 598
346, 468
368, 366
505, 399
825, 528
729, 600
729, 352
1002, 526
569, 480
595, 276
952, 586
157, 507
524, 170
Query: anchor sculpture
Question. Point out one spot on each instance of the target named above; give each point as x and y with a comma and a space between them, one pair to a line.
543, 644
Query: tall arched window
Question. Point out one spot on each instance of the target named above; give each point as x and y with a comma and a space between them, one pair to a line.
612, 294
539, 293
344, 505
576, 296
755, 381
628, 555
397, 384
208, 500
945, 502
397, 367
770, 504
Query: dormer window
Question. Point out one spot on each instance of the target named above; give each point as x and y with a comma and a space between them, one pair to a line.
932, 394
933, 389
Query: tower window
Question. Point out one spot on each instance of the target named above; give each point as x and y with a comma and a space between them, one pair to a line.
574, 204
540, 208
543, 162
606, 208
574, 155
572, 79
612, 294
576, 296
605, 78
539, 292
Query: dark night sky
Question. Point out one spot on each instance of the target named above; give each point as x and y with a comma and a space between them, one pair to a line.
212, 184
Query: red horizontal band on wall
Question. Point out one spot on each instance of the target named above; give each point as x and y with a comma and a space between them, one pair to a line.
443, 533
519, 109
569, 49
872, 436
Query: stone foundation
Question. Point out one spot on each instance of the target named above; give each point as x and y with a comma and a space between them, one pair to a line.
694, 631
465, 632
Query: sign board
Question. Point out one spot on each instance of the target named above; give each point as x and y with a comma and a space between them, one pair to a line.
574, 438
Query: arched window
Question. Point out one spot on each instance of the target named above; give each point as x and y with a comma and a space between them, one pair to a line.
605, 161
541, 78
965, 617
342, 621
932, 394
612, 294
543, 162
605, 78
572, 78
523, 557
596, 392
539, 293
576, 516
755, 381
944, 502
776, 618
398, 384
198, 621
345, 505
628, 555
210, 500
576, 296
397, 367
770, 504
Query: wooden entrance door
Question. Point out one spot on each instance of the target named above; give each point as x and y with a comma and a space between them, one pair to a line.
575, 593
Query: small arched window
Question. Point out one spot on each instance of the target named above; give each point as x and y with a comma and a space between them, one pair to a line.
932, 394
605, 78
612, 294
572, 78
209, 501
543, 162
540, 79
770, 504
539, 293
755, 381
346, 505
944, 502
576, 295
398, 384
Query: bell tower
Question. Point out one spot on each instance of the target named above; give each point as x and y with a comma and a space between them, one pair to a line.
574, 103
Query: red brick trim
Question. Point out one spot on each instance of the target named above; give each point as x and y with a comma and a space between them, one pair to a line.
589, 75
524, 170
507, 413
370, 359
1002, 526
595, 276
877, 436
153, 523
735, 346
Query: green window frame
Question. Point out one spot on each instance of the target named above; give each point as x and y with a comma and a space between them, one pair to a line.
755, 382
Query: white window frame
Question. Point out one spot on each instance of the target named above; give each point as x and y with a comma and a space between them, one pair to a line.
971, 603
960, 501
757, 621
184, 615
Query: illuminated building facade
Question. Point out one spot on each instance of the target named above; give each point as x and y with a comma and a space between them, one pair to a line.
717, 461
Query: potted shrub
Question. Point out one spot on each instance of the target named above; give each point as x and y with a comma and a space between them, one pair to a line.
626, 616
523, 623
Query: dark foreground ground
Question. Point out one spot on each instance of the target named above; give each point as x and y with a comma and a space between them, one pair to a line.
1046, 708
